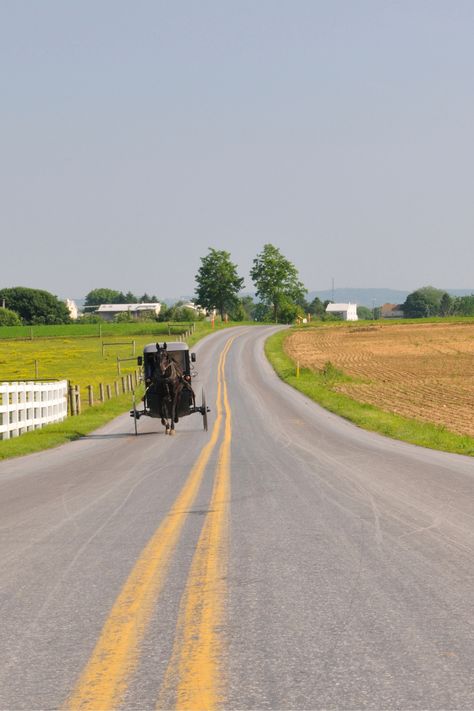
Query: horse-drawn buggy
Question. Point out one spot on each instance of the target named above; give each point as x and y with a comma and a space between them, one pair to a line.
169, 395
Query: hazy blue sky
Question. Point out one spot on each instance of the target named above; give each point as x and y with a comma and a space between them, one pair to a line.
135, 135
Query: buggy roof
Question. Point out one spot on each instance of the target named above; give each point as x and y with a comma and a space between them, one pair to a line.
170, 346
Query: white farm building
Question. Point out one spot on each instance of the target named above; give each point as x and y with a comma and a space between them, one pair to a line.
109, 311
348, 311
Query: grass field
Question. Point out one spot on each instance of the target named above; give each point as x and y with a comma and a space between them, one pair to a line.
91, 330
325, 386
80, 360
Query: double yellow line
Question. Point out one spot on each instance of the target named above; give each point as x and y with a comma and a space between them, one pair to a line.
194, 678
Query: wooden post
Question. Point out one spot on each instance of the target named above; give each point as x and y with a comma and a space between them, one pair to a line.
124, 390
72, 400
119, 371
36, 370
117, 389
91, 395
101, 392
77, 393
109, 392
134, 347
130, 382
135, 376
103, 348
297, 369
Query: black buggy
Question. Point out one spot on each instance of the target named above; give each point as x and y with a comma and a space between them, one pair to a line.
169, 395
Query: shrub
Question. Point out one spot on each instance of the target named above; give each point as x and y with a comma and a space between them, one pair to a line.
9, 318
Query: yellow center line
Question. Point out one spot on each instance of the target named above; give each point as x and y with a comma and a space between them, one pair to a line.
195, 678
106, 676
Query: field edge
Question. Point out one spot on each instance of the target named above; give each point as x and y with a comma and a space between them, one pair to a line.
318, 388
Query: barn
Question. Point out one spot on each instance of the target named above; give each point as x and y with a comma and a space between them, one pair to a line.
348, 311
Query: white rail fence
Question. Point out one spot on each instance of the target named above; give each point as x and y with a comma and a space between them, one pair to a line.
26, 406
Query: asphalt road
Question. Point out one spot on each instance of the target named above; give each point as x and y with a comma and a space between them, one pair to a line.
284, 560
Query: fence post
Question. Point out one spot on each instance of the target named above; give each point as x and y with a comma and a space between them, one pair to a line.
36, 370
109, 392
134, 347
101, 392
72, 400
117, 389
123, 384
119, 372
77, 394
91, 395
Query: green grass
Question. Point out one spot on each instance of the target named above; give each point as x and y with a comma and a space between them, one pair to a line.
93, 330
319, 387
81, 362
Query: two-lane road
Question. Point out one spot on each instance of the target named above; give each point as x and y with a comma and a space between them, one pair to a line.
286, 559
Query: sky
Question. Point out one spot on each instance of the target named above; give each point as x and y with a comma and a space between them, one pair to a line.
136, 135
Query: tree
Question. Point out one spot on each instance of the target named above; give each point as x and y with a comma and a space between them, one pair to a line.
317, 308
289, 311
276, 279
364, 313
130, 298
218, 283
35, 306
446, 305
464, 305
423, 302
9, 318
145, 299
96, 297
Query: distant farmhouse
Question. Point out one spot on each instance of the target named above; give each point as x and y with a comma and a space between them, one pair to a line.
391, 311
348, 311
109, 311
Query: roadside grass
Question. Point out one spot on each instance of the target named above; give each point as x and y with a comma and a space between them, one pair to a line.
318, 386
80, 361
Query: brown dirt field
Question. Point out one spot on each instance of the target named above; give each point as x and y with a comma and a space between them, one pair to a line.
421, 371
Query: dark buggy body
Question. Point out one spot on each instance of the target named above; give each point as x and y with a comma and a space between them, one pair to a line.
158, 387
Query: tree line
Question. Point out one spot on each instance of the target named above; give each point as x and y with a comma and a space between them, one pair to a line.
429, 301
281, 297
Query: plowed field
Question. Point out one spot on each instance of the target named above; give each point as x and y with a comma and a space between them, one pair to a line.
421, 371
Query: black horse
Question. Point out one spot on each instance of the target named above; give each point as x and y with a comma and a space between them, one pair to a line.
168, 383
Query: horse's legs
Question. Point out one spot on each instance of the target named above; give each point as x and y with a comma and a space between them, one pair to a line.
164, 416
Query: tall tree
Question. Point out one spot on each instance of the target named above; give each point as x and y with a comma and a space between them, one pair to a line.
35, 306
276, 279
218, 283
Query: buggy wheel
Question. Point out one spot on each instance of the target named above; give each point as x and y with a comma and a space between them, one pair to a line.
135, 418
204, 411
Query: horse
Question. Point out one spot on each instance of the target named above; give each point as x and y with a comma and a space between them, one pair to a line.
169, 382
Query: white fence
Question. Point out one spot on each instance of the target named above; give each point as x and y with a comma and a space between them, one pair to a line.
26, 406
